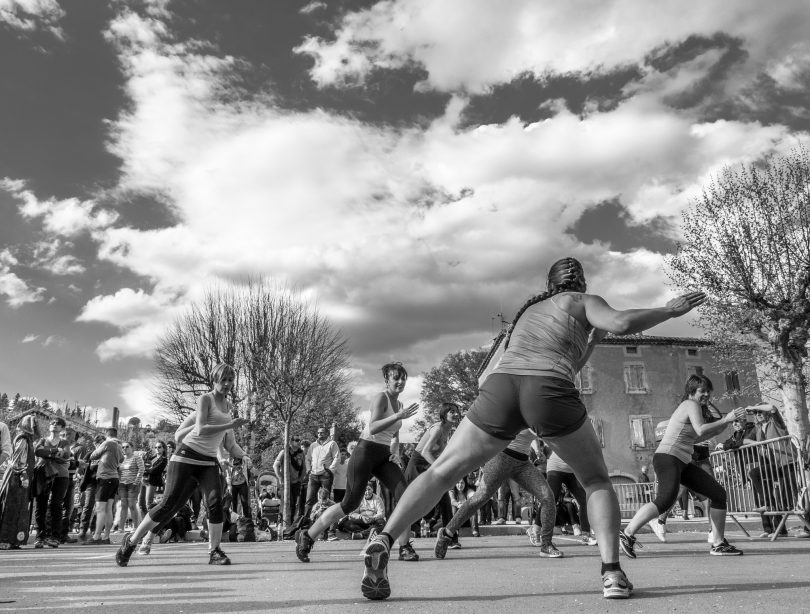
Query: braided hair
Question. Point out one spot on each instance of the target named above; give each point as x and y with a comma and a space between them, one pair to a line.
565, 275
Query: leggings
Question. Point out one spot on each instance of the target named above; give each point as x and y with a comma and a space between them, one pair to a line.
370, 458
555, 480
417, 465
673, 472
181, 480
495, 472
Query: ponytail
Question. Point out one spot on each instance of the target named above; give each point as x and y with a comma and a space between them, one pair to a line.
532, 301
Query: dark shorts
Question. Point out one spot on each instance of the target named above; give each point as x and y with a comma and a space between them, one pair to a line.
507, 404
107, 489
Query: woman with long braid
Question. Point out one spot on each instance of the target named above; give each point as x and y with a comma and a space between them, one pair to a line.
533, 387
195, 464
379, 443
511, 463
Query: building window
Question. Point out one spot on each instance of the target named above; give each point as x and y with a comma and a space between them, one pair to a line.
584, 380
597, 426
694, 370
732, 382
692, 352
642, 434
635, 378
631, 350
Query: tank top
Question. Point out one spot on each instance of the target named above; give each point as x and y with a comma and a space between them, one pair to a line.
678, 440
546, 341
522, 443
386, 435
208, 445
439, 446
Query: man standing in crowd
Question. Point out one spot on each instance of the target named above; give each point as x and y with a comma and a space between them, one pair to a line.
109, 456
297, 472
323, 455
76, 451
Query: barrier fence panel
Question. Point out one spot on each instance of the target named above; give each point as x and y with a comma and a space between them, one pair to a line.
766, 477
633, 496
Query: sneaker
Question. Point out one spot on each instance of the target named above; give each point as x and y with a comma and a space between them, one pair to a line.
51, 542
577, 530
332, 538
615, 584
499, 521
166, 536
477, 534
725, 549
764, 535
39, 544
375, 584
146, 548
407, 553
218, 557
659, 529
303, 544
550, 551
372, 535
518, 521
454, 543
628, 544
125, 551
588, 539
442, 543
534, 535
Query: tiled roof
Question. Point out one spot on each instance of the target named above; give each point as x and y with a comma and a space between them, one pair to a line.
640, 339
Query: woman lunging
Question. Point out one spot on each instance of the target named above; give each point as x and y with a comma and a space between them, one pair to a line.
532, 386
673, 465
195, 464
379, 442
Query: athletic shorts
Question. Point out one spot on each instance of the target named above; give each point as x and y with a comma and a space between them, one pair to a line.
507, 404
107, 489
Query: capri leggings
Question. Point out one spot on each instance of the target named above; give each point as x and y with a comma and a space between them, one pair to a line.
672, 472
181, 480
497, 470
370, 458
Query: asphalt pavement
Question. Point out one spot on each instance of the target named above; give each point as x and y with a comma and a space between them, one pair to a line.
493, 573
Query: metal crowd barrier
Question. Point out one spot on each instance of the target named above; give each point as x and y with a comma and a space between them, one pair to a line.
767, 477
633, 496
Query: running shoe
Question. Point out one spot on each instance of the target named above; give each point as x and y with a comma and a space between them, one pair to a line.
659, 529
518, 520
615, 585
375, 584
125, 551
303, 544
146, 548
166, 536
628, 544
588, 539
477, 534
725, 549
499, 521
550, 551
218, 557
454, 543
39, 544
442, 543
51, 542
372, 535
407, 553
332, 537
577, 530
534, 535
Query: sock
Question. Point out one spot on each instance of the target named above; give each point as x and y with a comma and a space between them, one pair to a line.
387, 536
611, 567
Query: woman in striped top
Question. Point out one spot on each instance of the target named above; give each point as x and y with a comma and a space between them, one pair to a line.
130, 473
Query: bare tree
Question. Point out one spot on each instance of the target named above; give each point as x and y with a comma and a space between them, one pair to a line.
747, 245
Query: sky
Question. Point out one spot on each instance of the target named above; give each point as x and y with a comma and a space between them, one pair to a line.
414, 166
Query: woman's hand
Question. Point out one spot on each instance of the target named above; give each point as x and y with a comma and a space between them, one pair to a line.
409, 411
237, 422
685, 303
737, 413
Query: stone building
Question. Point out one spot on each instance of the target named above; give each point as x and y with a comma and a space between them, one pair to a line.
633, 382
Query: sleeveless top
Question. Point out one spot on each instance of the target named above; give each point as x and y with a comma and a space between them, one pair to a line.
386, 435
440, 444
679, 440
546, 341
208, 445
555, 463
522, 443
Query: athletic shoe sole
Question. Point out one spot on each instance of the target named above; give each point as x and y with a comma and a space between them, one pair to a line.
616, 591
300, 536
125, 551
442, 544
375, 585
627, 546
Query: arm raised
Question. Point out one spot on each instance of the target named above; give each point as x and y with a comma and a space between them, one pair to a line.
629, 321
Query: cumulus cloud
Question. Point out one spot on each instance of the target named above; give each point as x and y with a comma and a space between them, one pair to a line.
31, 15
467, 45
16, 290
47, 256
138, 400
29, 338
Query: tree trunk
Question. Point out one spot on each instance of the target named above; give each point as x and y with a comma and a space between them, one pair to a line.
794, 402
285, 499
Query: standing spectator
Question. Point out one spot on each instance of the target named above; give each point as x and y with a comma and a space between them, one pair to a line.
130, 475
51, 484
154, 466
76, 451
297, 472
238, 478
302, 495
5, 443
15, 487
323, 457
339, 483
88, 487
109, 456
